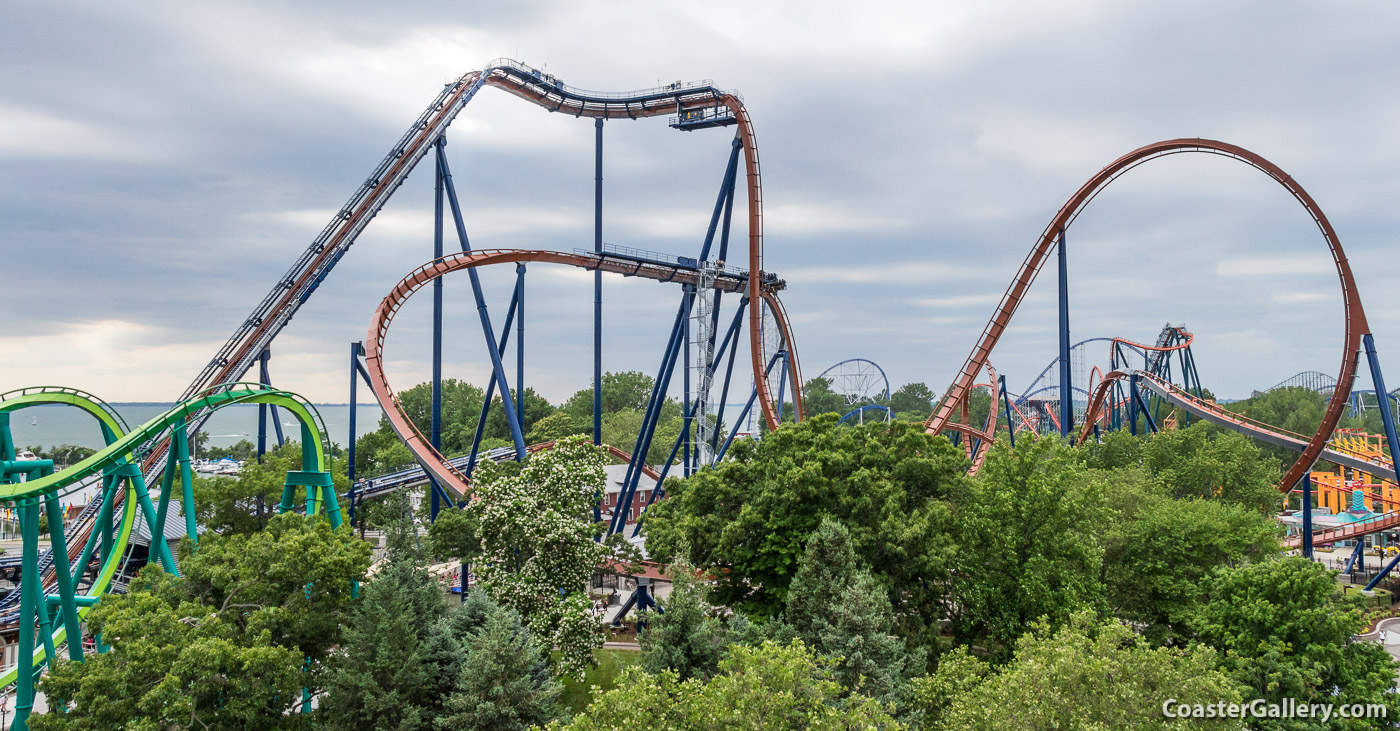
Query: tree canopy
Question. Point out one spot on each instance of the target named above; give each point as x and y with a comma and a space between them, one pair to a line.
226, 645
750, 517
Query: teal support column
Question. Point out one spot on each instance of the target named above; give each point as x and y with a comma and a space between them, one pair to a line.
104, 516
182, 453
58, 544
143, 498
167, 483
106, 526
330, 503
28, 610
320, 494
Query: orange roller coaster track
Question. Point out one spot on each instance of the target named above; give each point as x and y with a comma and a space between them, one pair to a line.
1356, 327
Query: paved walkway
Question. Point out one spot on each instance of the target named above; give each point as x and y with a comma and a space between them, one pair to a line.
1391, 625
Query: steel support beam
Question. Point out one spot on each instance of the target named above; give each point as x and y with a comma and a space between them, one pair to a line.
435, 430
1357, 553
653, 414
266, 380
490, 389
1383, 573
598, 286
1307, 518
1387, 416
1066, 385
749, 405
498, 371
520, 343
1006, 403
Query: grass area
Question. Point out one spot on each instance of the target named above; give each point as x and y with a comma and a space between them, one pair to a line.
611, 663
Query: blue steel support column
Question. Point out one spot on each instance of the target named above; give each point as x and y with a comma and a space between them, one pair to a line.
1387, 416
660, 491
1307, 517
355, 349
649, 420
1066, 387
1356, 552
490, 389
520, 344
745, 413
1132, 404
686, 412
435, 432
1006, 402
1384, 573
498, 371
782, 385
598, 286
263, 409
728, 373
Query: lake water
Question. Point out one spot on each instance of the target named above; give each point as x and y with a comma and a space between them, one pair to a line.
48, 426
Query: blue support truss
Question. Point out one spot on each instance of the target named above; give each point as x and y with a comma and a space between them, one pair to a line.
498, 371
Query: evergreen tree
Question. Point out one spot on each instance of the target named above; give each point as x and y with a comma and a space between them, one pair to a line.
839, 610
398, 660
684, 638
505, 683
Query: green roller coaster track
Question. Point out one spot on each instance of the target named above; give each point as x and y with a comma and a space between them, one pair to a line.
25, 484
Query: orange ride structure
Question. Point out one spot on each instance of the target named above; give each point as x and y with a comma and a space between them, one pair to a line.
1357, 340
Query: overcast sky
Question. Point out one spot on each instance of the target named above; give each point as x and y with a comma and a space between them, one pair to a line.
163, 163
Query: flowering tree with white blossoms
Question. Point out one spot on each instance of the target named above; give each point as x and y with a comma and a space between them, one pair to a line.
538, 547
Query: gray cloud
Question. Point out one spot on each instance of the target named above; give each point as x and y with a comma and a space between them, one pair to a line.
161, 166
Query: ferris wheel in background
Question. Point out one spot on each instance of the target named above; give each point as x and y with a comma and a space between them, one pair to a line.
858, 380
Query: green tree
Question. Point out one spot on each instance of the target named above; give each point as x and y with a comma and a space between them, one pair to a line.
461, 407
504, 683
1284, 629
1157, 554
1031, 542
551, 428
837, 609
227, 644
241, 451
914, 398
766, 688
536, 408
393, 670
626, 391
244, 504
818, 398
747, 520
173, 666
368, 448
456, 534
1198, 461
684, 639
620, 430
1086, 676
537, 544
1203, 461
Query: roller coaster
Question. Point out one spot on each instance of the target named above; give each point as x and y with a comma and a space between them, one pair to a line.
54, 596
